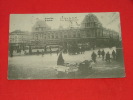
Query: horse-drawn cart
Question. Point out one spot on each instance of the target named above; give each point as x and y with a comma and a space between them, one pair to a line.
73, 70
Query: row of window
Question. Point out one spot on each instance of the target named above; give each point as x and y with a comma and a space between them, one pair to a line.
16, 41
41, 28
41, 36
78, 35
91, 24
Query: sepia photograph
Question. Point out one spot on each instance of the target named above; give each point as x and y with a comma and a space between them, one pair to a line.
65, 46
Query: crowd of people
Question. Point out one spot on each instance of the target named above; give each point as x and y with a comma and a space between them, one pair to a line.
105, 55
75, 49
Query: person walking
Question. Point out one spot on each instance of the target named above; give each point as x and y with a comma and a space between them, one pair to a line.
103, 54
99, 53
114, 54
93, 56
107, 56
45, 49
50, 50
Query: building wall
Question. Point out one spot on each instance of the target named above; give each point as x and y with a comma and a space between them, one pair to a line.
19, 37
91, 29
58, 35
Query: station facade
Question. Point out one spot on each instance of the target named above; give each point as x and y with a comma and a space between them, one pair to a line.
91, 31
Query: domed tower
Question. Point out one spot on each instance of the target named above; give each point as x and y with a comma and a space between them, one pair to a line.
40, 26
39, 32
90, 21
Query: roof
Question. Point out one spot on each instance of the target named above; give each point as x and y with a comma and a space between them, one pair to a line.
19, 32
40, 23
91, 18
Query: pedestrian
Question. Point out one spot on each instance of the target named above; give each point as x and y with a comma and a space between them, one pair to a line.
107, 56
93, 56
99, 52
25, 52
11, 51
103, 54
19, 50
60, 60
114, 54
45, 48
83, 49
30, 50
50, 50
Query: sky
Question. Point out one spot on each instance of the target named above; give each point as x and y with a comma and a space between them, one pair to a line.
25, 22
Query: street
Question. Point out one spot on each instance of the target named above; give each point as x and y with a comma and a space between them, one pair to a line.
42, 67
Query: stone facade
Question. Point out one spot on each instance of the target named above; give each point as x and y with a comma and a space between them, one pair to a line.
91, 30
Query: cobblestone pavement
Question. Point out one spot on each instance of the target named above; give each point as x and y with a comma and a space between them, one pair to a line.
42, 67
